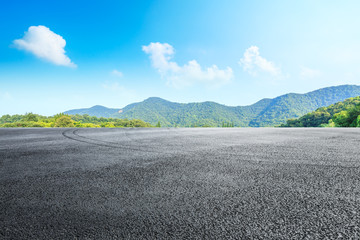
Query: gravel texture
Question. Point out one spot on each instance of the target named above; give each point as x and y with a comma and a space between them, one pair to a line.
166, 183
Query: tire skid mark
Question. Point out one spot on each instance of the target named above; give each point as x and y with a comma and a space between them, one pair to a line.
139, 144
127, 134
71, 134
165, 132
97, 140
66, 134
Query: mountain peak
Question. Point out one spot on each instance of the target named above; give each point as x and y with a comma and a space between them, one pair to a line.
152, 99
97, 106
97, 111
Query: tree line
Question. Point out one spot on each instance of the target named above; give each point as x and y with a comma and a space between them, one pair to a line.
83, 121
64, 120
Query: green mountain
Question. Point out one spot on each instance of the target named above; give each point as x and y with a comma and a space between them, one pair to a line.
191, 114
340, 114
266, 112
96, 111
295, 105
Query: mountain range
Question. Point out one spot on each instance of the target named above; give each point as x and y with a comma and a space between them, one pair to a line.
264, 113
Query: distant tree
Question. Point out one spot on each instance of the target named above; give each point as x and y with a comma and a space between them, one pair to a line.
330, 124
342, 119
354, 113
358, 121
158, 124
59, 115
30, 117
5, 119
64, 121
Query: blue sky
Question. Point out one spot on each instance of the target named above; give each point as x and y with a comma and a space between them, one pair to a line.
61, 55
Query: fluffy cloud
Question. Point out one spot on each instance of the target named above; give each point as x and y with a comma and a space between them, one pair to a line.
45, 44
252, 63
117, 73
306, 72
190, 73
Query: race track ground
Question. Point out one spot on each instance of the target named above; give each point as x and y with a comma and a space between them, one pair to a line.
168, 183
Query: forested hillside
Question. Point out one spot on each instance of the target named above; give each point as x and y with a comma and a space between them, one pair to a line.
266, 112
341, 114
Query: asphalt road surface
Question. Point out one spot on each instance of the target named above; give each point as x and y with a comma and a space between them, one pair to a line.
238, 183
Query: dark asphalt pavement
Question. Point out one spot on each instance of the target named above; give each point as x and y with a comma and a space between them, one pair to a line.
235, 183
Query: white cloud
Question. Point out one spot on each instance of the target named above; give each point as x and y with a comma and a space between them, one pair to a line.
187, 75
252, 63
117, 73
306, 72
45, 44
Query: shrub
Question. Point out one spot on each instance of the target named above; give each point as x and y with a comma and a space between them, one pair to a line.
64, 121
30, 117
89, 125
37, 124
358, 121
